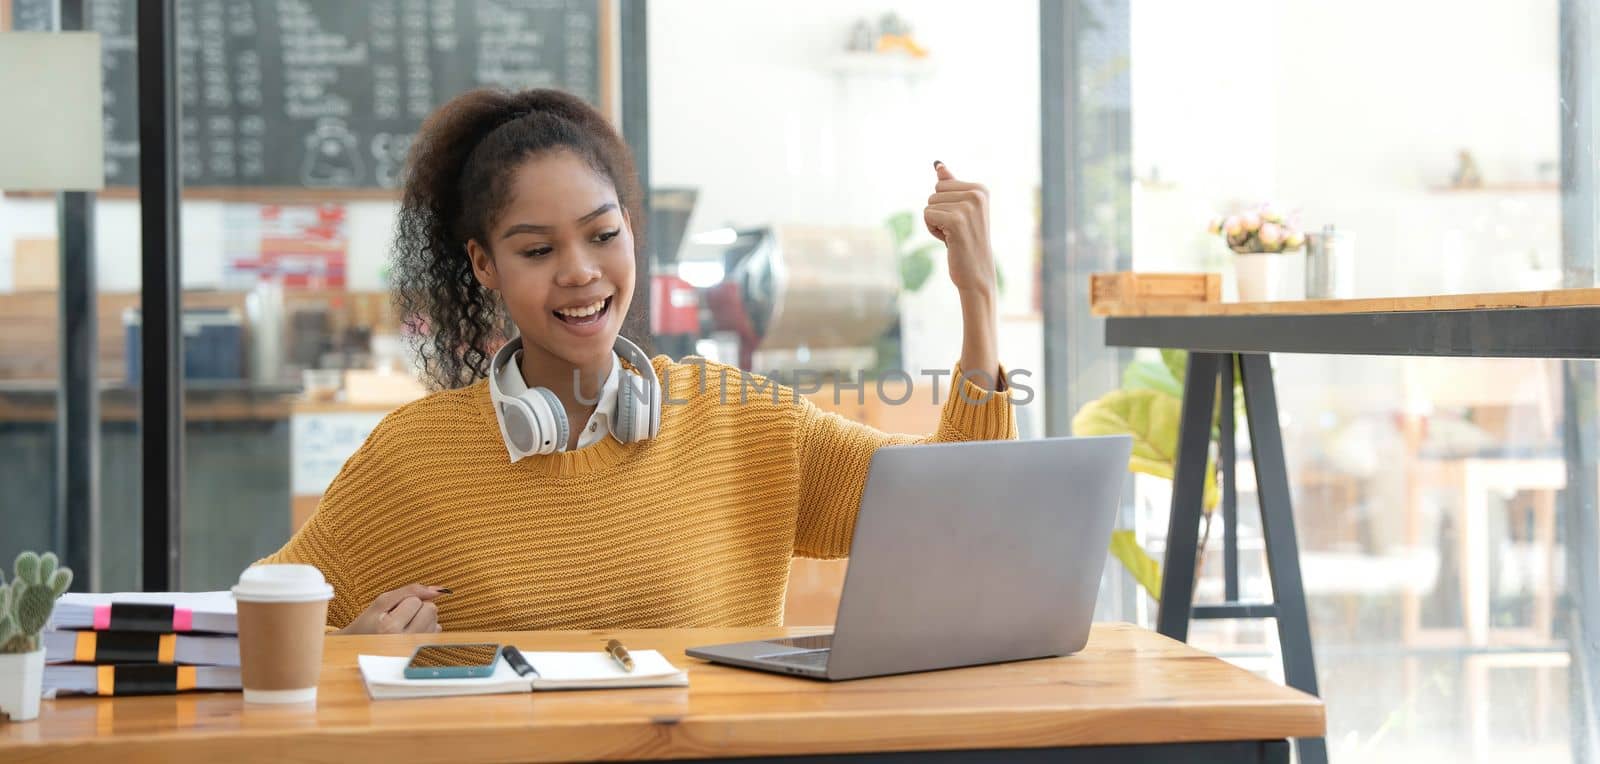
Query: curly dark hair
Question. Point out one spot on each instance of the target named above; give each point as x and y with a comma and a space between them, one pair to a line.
457, 180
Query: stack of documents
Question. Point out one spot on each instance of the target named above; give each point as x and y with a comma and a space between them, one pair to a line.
141, 643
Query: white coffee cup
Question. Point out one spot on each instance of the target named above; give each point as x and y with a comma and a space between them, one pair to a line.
282, 610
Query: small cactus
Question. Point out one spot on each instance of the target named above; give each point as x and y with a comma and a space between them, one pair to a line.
10, 633
26, 604
47, 565
27, 566
8, 626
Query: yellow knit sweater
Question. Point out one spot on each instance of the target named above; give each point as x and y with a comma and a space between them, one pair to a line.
692, 528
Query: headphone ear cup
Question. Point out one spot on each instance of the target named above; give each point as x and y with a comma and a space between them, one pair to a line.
624, 430
640, 406
639, 395
522, 429
653, 407
646, 406
555, 421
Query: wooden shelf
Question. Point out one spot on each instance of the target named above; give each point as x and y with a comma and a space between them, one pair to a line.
881, 64
1500, 188
1552, 298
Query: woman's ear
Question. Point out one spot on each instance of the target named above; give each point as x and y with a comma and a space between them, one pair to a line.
483, 265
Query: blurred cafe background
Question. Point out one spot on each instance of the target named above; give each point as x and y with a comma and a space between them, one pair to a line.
787, 153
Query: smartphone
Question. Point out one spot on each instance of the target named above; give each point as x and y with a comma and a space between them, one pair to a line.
453, 661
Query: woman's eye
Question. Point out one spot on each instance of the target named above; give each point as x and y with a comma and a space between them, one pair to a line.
536, 252
606, 236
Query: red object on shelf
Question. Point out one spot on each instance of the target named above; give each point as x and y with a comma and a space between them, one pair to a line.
728, 314
674, 306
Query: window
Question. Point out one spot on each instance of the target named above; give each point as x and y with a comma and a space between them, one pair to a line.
1427, 492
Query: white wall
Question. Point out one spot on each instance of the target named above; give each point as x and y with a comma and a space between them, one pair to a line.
21, 218
745, 107
1352, 112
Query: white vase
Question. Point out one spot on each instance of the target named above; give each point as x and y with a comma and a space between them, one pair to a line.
1269, 276
21, 684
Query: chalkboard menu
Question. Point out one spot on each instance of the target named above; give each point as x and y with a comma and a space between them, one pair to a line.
317, 94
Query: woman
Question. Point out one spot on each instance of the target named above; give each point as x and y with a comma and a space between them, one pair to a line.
475, 508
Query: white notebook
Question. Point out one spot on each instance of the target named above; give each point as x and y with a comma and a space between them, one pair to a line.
385, 675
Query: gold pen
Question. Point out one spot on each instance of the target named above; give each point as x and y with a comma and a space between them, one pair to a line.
620, 655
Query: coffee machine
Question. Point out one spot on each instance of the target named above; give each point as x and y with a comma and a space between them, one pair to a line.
780, 297
806, 297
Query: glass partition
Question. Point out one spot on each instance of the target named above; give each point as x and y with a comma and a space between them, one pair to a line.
1427, 492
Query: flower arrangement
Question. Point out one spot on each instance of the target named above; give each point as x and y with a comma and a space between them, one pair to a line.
1258, 231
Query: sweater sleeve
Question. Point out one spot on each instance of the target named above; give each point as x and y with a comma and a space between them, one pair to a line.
318, 542
834, 454
313, 545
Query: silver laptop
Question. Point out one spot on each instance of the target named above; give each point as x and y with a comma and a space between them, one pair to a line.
964, 554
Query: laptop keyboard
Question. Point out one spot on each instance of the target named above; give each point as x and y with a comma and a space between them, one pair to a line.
818, 642
815, 659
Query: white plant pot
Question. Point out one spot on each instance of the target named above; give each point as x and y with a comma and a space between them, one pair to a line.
21, 684
1269, 276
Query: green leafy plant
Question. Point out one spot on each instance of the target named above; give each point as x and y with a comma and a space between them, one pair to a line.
1149, 407
26, 603
916, 259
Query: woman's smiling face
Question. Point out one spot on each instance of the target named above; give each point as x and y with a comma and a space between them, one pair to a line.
561, 256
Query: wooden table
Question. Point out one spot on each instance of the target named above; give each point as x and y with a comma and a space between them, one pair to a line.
1131, 693
1551, 298
1222, 337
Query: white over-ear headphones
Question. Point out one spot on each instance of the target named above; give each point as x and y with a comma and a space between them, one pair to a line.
536, 423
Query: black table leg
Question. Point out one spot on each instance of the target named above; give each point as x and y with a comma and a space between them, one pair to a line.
1226, 459
1277, 519
1277, 526
1188, 493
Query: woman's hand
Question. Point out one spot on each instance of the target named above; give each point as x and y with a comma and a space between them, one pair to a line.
958, 215
407, 610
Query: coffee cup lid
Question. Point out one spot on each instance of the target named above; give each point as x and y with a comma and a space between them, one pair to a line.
282, 583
